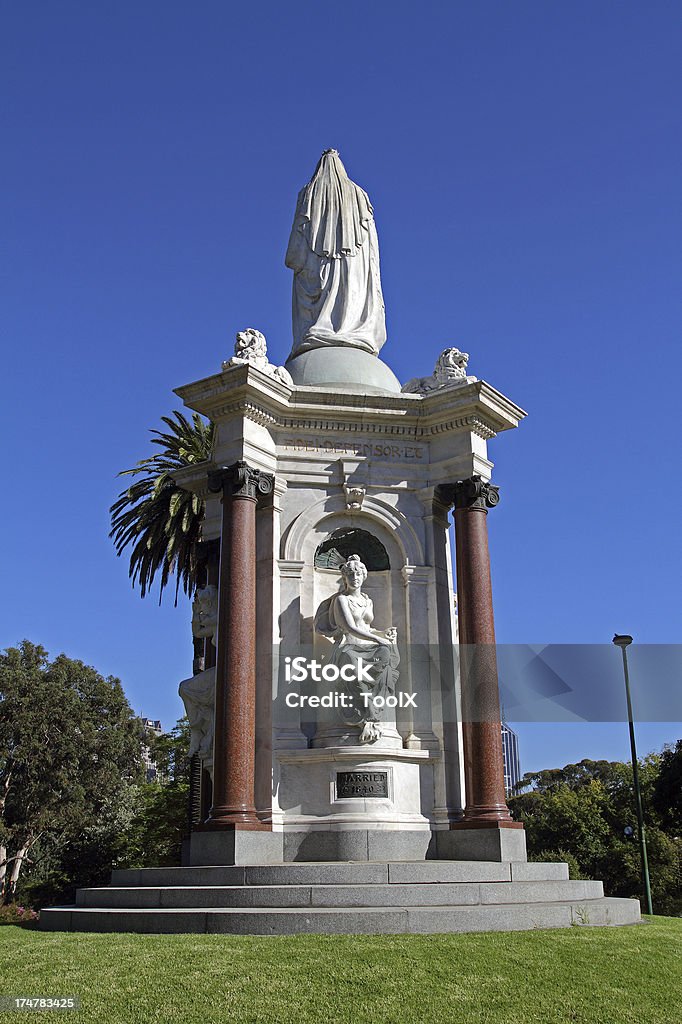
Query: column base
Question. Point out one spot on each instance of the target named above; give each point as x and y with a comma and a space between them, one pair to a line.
227, 824
235, 846
465, 841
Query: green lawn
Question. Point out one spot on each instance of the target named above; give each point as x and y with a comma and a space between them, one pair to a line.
573, 976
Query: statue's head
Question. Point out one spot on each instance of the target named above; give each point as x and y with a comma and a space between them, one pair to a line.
451, 365
330, 163
354, 571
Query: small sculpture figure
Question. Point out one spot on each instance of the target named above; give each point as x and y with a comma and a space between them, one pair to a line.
198, 692
373, 654
334, 253
450, 368
354, 496
251, 348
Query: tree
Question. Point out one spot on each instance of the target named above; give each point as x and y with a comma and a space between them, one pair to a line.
160, 822
567, 818
667, 791
70, 759
584, 810
158, 518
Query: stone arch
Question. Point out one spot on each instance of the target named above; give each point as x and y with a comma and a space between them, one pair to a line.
299, 538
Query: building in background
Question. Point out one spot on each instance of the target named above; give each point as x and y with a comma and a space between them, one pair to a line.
512, 762
152, 730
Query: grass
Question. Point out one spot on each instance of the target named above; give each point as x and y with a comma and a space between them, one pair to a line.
627, 975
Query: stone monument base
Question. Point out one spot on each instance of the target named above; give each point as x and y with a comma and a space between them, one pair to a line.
353, 841
359, 844
329, 795
371, 898
232, 846
489, 844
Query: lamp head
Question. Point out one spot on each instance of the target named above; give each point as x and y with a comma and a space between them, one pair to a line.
622, 640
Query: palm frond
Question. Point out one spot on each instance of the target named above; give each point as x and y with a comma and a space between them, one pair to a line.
156, 519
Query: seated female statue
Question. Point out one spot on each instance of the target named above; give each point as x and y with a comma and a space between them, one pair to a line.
347, 618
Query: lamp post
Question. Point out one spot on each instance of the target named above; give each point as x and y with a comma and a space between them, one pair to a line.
623, 641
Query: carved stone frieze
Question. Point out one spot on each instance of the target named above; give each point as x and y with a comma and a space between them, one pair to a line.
473, 423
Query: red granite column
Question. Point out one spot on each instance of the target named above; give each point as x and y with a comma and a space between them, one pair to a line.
486, 805
234, 738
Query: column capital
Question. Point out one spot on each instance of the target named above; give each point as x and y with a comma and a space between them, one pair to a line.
240, 481
473, 493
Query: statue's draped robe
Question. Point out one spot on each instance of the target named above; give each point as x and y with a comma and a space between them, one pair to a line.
334, 253
379, 661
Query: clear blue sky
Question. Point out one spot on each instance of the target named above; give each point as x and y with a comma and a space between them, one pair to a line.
524, 164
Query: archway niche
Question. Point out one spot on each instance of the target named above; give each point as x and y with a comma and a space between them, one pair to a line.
343, 543
382, 584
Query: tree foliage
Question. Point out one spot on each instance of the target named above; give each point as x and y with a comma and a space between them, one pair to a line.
70, 759
160, 822
585, 809
159, 520
666, 797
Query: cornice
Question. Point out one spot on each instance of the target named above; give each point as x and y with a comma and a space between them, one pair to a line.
245, 391
477, 405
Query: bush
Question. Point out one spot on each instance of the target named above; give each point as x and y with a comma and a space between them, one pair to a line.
15, 913
562, 857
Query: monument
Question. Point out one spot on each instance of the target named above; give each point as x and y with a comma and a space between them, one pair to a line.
345, 713
329, 496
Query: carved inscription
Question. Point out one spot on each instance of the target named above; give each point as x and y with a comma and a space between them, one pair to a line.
361, 784
373, 449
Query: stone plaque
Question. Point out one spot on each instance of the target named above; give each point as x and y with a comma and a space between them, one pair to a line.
361, 784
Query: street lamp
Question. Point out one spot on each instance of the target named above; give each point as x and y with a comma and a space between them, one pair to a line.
624, 641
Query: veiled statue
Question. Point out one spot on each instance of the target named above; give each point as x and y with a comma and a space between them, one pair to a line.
334, 254
346, 618
198, 692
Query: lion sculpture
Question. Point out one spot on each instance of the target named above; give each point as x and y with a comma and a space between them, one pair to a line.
450, 368
251, 349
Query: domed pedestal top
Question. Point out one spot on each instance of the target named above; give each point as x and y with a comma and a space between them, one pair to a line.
350, 369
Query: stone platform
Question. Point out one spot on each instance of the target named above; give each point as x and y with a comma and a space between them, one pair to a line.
342, 898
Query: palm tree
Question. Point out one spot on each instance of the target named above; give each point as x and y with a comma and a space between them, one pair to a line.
160, 519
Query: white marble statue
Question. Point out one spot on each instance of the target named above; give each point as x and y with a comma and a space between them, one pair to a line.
347, 618
334, 254
198, 692
450, 368
251, 348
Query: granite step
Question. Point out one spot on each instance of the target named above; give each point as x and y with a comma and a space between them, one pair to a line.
396, 895
348, 921
345, 873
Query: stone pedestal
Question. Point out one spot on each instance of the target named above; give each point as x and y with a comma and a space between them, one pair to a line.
328, 793
235, 846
